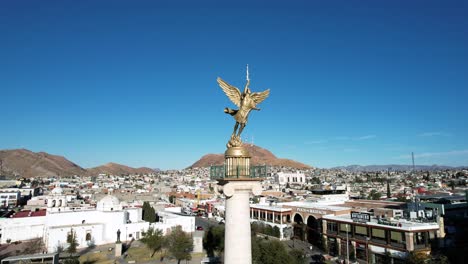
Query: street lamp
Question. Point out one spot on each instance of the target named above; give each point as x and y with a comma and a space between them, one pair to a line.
367, 249
347, 245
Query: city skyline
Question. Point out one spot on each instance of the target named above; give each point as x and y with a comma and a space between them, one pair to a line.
135, 83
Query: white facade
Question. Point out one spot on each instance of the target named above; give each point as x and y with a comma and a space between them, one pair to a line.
9, 198
95, 226
292, 178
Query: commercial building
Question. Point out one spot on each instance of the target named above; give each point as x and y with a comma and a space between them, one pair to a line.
329, 220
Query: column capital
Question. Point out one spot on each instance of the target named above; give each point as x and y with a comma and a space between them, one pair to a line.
231, 188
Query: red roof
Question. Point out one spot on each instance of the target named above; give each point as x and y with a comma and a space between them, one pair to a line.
28, 213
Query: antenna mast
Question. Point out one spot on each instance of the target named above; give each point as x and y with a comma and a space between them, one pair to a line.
412, 157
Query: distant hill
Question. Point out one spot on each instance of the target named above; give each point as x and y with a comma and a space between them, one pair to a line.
259, 155
118, 169
31, 164
25, 163
394, 167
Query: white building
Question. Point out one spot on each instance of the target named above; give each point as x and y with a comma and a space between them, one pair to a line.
93, 226
9, 198
284, 178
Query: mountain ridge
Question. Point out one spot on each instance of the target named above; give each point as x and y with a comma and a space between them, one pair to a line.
26, 163
395, 167
260, 156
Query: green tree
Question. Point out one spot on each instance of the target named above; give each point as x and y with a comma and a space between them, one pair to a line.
172, 199
440, 259
72, 246
255, 200
452, 185
388, 189
213, 241
374, 195
387, 259
276, 232
315, 180
297, 256
269, 252
149, 214
153, 239
72, 242
179, 244
417, 258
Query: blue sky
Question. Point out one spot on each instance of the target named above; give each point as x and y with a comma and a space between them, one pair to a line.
134, 82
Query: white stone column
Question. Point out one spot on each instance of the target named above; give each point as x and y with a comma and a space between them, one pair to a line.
237, 243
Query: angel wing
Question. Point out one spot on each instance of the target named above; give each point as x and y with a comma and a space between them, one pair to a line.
232, 92
259, 97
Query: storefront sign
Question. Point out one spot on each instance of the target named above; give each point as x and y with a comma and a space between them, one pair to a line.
360, 217
311, 211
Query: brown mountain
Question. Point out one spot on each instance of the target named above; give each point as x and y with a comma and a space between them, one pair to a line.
31, 164
118, 169
259, 155
26, 163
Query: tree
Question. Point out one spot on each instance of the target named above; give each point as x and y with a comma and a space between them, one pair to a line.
149, 214
276, 232
213, 241
374, 195
297, 256
388, 189
269, 252
452, 185
153, 239
172, 198
417, 258
72, 245
255, 200
72, 242
315, 180
179, 244
440, 259
387, 259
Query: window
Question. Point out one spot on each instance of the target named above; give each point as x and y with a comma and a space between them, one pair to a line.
396, 237
378, 233
344, 227
332, 227
420, 238
88, 235
360, 230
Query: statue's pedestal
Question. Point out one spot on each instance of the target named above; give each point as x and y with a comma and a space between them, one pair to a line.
118, 249
237, 185
237, 243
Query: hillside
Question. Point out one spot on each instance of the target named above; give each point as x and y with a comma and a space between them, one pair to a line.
395, 167
31, 164
260, 156
118, 169
25, 163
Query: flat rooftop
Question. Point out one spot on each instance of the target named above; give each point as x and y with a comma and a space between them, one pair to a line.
402, 224
268, 207
313, 205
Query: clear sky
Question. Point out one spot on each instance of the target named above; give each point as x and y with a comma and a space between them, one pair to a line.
134, 82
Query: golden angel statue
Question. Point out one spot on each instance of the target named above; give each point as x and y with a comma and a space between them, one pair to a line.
246, 101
